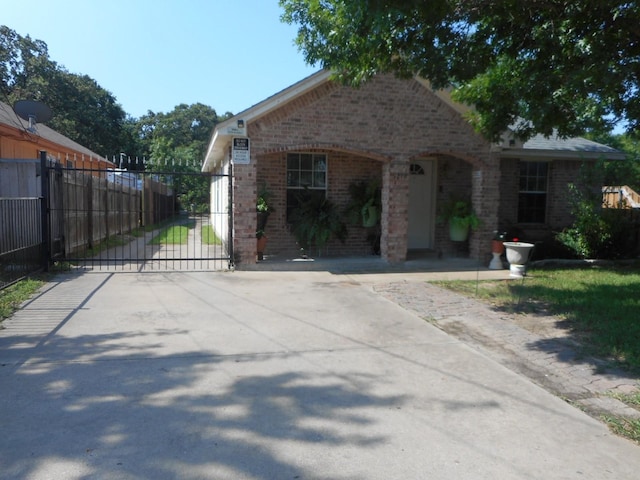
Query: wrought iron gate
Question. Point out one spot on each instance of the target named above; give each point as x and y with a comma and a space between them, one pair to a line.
163, 217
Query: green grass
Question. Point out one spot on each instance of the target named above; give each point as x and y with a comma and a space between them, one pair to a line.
12, 296
600, 305
209, 237
112, 241
628, 398
174, 235
625, 427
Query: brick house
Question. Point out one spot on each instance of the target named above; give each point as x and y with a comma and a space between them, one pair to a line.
411, 139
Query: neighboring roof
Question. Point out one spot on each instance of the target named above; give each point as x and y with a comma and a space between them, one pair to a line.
556, 147
10, 118
578, 144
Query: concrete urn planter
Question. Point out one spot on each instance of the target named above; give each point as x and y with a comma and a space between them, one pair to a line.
518, 254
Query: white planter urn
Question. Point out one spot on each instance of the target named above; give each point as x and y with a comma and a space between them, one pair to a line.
518, 254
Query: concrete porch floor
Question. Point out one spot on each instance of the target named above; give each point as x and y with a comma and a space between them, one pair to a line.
418, 264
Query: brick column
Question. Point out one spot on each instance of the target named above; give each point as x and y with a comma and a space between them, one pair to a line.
395, 211
485, 197
244, 212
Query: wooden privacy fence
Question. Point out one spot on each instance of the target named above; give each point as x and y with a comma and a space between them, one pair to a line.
87, 207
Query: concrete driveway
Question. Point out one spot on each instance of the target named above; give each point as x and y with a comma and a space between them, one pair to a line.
270, 375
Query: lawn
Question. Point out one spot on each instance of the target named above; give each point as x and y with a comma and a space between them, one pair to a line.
601, 305
209, 237
173, 235
179, 234
13, 296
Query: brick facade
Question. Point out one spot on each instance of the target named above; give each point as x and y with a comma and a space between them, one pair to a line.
561, 172
373, 131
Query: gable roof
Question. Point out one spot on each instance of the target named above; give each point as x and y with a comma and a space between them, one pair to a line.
224, 131
538, 146
9, 118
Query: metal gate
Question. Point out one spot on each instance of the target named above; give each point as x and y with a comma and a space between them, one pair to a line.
161, 217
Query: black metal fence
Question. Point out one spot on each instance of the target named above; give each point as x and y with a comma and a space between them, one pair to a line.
21, 250
159, 217
91, 218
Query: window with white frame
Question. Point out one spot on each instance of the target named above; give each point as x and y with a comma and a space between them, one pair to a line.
532, 194
306, 176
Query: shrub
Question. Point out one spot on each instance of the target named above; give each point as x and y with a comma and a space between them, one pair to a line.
596, 232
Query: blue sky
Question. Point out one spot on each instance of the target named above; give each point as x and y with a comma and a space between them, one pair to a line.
156, 54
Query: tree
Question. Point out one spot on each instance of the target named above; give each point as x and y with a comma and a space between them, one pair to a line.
544, 66
83, 110
621, 172
177, 142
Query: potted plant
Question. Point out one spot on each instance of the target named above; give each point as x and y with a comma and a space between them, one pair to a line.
497, 243
263, 210
497, 249
261, 243
460, 217
315, 221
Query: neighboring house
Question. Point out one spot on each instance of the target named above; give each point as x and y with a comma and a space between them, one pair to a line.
20, 150
410, 138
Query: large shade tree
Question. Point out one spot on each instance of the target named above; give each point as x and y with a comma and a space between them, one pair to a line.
541, 65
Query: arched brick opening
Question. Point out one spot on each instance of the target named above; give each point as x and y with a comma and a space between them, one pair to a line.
470, 177
344, 166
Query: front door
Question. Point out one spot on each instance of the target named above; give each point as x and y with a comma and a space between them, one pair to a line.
422, 204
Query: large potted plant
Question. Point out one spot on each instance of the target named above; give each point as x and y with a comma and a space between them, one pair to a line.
315, 221
460, 217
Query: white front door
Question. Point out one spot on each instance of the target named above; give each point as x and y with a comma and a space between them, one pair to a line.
422, 204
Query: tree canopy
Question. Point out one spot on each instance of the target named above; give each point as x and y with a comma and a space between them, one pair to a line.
177, 139
543, 66
183, 133
83, 110
91, 116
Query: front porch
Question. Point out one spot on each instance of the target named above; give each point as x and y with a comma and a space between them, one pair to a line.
419, 263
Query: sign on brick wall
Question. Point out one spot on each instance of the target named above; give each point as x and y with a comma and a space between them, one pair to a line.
239, 129
240, 153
